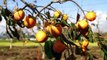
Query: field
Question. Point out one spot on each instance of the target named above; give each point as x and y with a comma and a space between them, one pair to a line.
29, 51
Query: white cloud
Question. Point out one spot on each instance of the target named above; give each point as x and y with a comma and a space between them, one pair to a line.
2, 25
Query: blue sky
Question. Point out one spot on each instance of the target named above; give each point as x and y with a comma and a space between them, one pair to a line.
99, 6
68, 6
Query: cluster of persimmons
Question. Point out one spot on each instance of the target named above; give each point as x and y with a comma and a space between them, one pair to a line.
55, 30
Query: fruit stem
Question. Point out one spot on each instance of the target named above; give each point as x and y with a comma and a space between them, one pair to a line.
78, 6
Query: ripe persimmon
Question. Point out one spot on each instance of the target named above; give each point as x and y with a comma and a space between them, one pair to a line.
85, 43
57, 14
19, 15
29, 21
41, 36
58, 46
64, 17
83, 24
84, 46
91, 16
55, 30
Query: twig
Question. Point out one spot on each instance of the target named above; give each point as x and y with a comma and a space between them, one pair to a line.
44, 8
24, 7
50, 8
29, 11
31, 6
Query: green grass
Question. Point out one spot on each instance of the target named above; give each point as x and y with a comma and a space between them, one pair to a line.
19, 43
93, 44
29, 43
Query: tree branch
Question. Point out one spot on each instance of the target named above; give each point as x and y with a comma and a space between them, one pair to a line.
31, 6
44, 8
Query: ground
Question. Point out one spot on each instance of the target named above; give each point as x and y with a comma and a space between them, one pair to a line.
30, 53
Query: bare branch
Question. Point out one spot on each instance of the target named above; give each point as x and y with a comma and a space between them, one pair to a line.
31, 6
44, 8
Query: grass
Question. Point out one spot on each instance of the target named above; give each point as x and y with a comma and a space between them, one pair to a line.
93, 44
29, 43
19, 43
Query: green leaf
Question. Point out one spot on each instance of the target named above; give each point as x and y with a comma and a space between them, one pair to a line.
48, 49
64, 23
90, 35
73, 25
74, 35
69, 34
78, 37
105, 57
103, 46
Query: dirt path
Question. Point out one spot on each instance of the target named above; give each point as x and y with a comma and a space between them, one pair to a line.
30, 53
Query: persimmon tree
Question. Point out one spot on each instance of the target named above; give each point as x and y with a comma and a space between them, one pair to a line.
54, 31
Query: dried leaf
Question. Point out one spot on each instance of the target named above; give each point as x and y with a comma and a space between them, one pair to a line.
78, 17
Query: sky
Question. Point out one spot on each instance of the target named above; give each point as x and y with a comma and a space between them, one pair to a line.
99, 6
